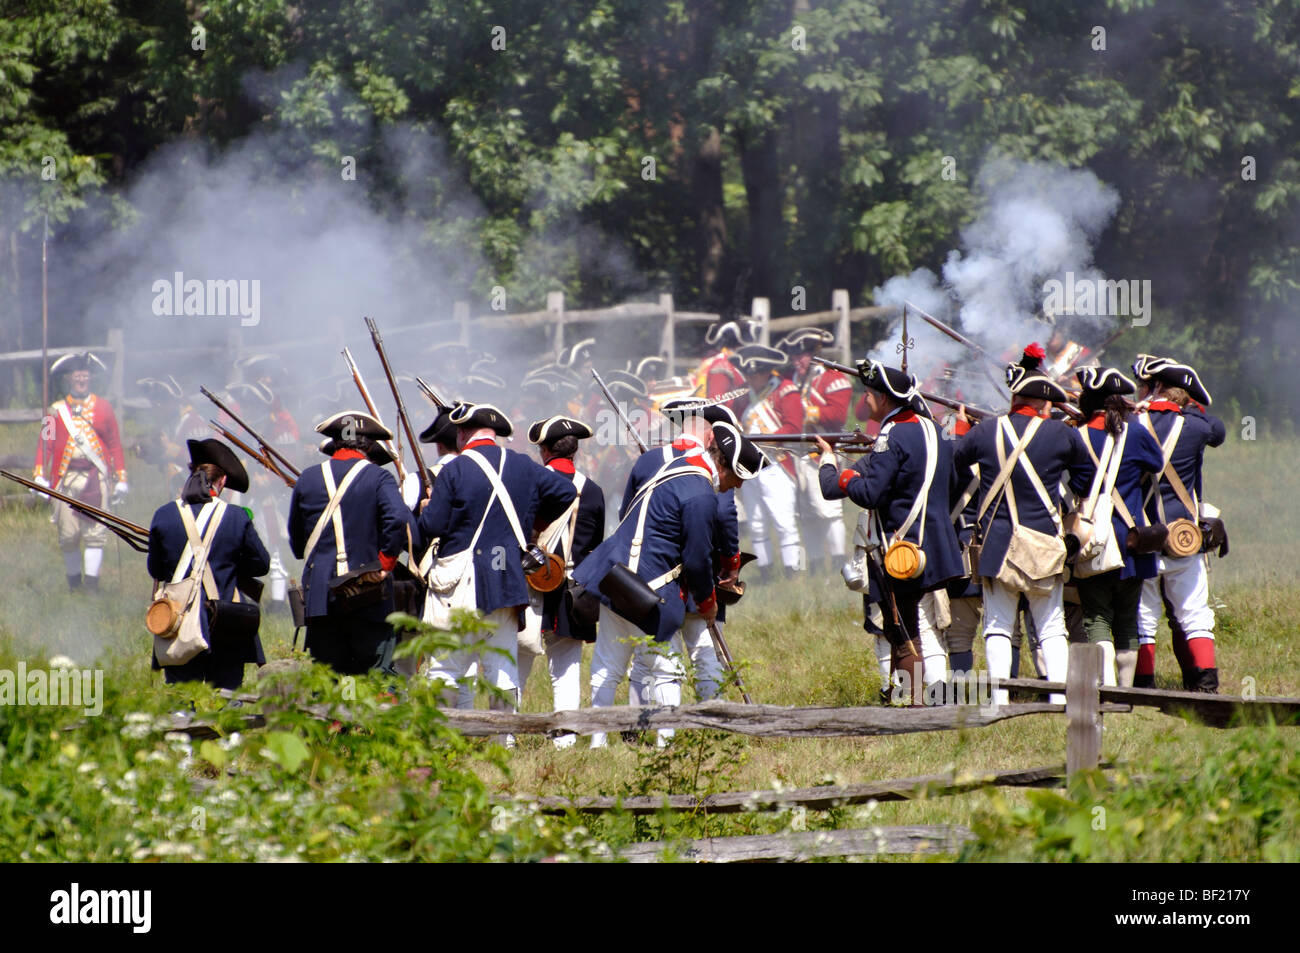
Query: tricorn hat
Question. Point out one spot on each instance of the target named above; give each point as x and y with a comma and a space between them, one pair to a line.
69, 363
890, 381
156, 387
545, 432
734, 333
738, 452
215, 452
475, 416
1031, 384
1171, 373
442, 430
677, 409
805, 340
623, 384
576, 355
756, 358
358, 423
649, 368
1102, 382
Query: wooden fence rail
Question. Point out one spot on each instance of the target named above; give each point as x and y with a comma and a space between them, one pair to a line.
821, 798
807, 845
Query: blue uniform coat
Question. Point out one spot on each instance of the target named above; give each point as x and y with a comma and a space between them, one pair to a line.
587, 534
678, 530
236, 550
1141, 456
459, 499
1200, 430
374, 521
1055, 450
891, 478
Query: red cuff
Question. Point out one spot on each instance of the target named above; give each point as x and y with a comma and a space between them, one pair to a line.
960, 428
847, 477
386, 562
732, 563
708, 605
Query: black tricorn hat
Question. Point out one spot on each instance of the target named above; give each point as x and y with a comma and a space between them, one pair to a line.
157, 387
677, 409
578, 354
738, 452
1102, 382
69, 363
475, 416
1030, 384
442, 430
621, 383
546, 432
360, 423
378, 453
733, 333
217, 453
649, 368
1173, 374
890, 381
756, 358
805, 340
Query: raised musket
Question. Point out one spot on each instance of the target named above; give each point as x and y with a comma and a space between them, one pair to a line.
431, 395
267, 448
619, 410
373, 410
135, 535
962, 339
401, 406
260, 457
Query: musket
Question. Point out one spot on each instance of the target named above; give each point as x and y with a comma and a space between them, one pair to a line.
619, 410
855, 439
431, 395
975, 413
267, 448
260, 457
373, 410
724, 653
961, 339
135, 535
401, 405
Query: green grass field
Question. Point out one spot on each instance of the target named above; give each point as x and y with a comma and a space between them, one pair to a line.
400, 786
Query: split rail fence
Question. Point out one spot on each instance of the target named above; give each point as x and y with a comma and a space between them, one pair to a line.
1086, 701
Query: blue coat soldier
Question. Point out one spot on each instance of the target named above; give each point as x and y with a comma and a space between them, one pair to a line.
1176, 398
672, 518
572, 536
1054, 450
1110, 599
464, 511
891, 480
236, 553
346, 627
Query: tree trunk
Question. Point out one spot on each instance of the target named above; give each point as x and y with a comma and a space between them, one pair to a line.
711, 219
759, 166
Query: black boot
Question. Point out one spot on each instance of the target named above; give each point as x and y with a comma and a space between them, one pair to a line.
91, 583
74, 583
765, 574
1144, 681
814, 567
1204, 680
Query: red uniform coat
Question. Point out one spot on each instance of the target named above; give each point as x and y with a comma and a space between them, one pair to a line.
54, 454
719, 376
826, 394
781, 411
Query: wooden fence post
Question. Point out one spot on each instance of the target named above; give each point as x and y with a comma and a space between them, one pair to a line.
668, 341
1082, 708
555, 305
843, 329
460, 314
761, 310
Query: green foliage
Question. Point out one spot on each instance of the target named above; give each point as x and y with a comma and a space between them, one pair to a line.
1239, 803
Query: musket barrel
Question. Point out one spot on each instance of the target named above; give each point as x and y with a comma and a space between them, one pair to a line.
124, 528
267, 448
401, 405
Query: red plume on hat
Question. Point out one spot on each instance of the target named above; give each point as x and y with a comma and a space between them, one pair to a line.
1033, 357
